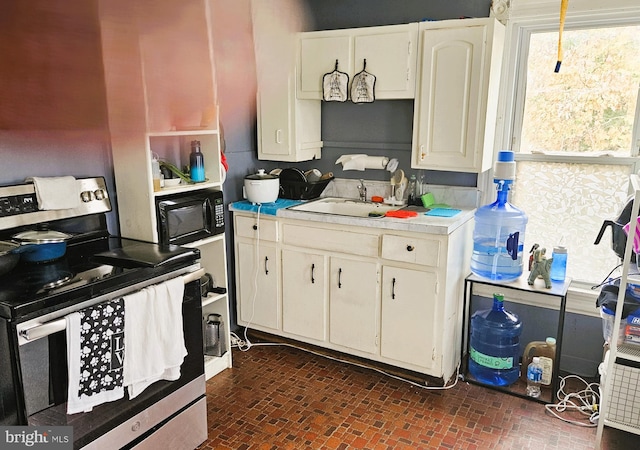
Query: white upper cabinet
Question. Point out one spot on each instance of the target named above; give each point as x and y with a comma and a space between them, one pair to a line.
457, 95
288, 128
389, 51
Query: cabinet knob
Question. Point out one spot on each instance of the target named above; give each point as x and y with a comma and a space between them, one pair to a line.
410, 248
255, 227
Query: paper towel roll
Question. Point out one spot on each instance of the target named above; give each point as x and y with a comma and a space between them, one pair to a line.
362, 162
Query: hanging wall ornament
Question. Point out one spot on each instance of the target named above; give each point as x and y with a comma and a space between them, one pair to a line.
334, 86
362, 86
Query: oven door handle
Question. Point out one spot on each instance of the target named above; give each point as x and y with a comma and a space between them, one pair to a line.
45, 329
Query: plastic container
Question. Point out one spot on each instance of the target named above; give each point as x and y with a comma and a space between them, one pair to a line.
498, 235
559, 263
546, 351
196, 163
495, 345
155, 173
534, 377
608, 317
412, 190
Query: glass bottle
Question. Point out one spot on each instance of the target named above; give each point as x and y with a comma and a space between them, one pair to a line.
413, 193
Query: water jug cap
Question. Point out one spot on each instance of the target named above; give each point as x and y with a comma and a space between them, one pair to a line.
504, 169
560, 249
550, 341
499, 297
506, 156
536, 360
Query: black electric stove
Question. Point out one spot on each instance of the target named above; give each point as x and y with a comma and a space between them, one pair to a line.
88, 269
37, 298
94, 263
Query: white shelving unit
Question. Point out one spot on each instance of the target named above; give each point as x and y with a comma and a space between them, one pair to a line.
161, 95
620, 401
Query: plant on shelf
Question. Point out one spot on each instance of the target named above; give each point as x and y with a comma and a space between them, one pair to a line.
173, 169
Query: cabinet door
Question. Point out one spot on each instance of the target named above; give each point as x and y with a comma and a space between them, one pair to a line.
318, 54
391, 57
258, 284
288, 129
304, 294
353, 304
274, 120
448, 117
409, 326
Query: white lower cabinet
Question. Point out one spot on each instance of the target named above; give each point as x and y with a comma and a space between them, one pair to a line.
408, 304
258, 284
393, 297
353, 304
304, 294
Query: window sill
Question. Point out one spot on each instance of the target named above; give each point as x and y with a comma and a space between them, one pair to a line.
592, 158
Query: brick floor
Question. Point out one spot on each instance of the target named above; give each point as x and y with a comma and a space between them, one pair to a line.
278, 397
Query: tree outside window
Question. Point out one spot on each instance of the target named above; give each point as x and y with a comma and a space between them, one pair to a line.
575, 144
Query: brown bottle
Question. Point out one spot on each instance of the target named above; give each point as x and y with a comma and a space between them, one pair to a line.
546, 351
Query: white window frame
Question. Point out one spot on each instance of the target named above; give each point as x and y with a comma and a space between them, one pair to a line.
522, 17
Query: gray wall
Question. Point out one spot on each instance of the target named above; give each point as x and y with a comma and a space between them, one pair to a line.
53, 106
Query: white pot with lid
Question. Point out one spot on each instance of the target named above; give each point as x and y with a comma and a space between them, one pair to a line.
261, 187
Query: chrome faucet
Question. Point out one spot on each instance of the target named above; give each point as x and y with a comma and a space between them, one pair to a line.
362, 190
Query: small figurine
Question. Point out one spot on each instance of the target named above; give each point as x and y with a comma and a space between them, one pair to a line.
541, 266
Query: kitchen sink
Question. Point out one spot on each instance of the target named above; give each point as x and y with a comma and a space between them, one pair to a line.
345, 207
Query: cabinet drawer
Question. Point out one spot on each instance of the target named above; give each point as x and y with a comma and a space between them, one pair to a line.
331, 240
410, 249
251, 227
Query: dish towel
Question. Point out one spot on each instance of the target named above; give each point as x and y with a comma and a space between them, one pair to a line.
154, 338
56, 192
95, 355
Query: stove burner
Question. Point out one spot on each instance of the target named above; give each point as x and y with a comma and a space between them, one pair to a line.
64, 278
47, 280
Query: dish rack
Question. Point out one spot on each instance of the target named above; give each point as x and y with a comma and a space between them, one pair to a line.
302, 190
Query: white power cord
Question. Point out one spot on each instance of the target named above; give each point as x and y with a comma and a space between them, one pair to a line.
246, 345
585, 401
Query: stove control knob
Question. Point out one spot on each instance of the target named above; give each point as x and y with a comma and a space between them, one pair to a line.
99, 194
87, 196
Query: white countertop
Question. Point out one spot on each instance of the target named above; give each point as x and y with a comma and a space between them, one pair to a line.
419, 224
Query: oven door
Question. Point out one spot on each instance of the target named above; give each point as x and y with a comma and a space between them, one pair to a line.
124, 422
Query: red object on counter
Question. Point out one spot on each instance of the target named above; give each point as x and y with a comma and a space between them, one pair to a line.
377, 199
400, 214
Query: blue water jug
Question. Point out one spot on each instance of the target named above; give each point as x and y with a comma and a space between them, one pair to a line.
495, 345
498, 234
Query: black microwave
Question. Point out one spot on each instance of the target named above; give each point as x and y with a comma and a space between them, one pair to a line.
184, 218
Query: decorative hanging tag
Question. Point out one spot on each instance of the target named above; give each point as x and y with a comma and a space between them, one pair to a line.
363, 86
334, 86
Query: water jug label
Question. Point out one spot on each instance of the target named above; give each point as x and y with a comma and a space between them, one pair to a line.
547, 369
493, 362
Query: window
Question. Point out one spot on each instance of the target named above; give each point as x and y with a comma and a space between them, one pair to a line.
575, 133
